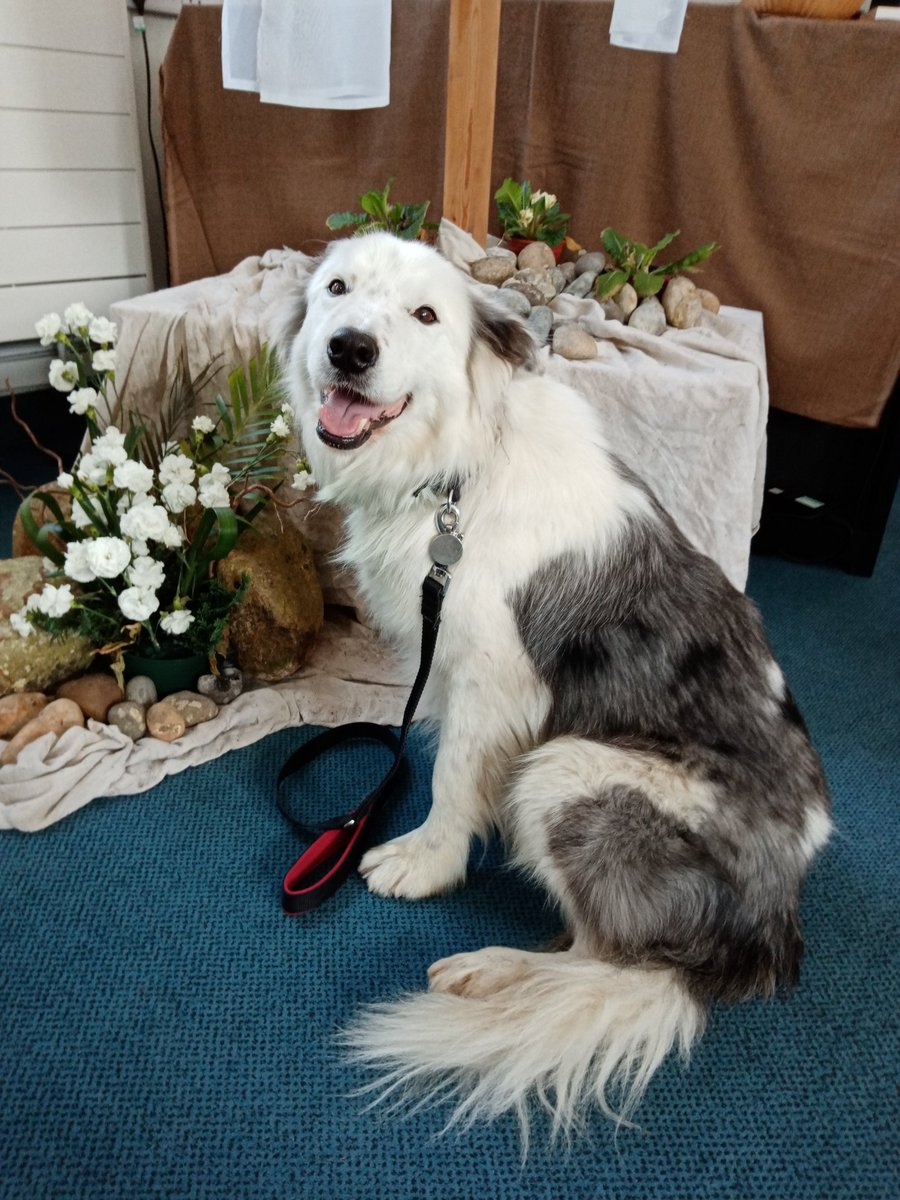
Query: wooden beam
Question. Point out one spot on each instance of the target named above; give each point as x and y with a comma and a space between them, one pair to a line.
471, 95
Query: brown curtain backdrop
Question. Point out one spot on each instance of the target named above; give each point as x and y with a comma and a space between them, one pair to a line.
777, 137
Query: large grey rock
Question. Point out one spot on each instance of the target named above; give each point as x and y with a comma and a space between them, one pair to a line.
543, 280
572, 342
35, 663
681, 303
594, 262
537, 256
627, 300
514, 301
493, 270
129, 717
540, 322
142, 690
582, 284
649, 316
534, 295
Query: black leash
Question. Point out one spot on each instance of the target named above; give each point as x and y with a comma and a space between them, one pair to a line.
338, 844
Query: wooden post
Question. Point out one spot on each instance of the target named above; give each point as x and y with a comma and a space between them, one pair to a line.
471, 95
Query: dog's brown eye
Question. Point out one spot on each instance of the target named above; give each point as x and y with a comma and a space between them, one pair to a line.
426, 315
337, 287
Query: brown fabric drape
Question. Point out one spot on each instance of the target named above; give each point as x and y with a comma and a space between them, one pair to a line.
777, 137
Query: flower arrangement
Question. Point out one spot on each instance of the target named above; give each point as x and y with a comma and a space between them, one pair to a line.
142, 516
530, 215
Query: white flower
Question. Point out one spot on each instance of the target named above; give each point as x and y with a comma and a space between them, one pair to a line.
80, 518
78, 316
202, 425
133, 476
91, 469
20, 624
214, 487
102, 331
63, 375
139, 547
108, 556
82, 399
104, 360
288, 413
50, 567
549, 199
176, 622
171, 539
146, 521
176, 468
303, 480
137, 604
77, 565
280, 427
49, 328
146, 573
178, 496
526, 216
33, 603
65, 480
110, 448
55, 601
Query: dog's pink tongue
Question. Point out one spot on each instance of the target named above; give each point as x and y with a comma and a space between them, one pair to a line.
343, 414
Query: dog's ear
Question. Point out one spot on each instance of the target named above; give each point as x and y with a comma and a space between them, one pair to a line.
503, 333
289, 313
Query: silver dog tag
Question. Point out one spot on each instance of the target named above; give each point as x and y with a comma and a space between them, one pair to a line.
446, 549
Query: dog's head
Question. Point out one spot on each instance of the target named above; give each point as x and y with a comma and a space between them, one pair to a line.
395, 364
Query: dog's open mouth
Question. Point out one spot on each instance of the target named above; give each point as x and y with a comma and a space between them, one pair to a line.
347, 418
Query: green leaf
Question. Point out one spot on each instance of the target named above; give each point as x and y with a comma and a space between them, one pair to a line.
40, 536
609, 283
691, 260
227, 531
615, 245
225, 415
647, 283
342, 220
663, 242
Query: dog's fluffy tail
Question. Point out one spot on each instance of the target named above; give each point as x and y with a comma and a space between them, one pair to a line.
567, 1032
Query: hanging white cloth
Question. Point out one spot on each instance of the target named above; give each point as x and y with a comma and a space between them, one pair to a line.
309, 53
647, 24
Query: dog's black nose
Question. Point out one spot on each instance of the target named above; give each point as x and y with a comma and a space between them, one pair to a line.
352, 351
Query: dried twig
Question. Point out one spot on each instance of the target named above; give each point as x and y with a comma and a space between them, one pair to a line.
23, 424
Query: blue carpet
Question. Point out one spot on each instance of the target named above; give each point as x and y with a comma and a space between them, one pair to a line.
168, 1033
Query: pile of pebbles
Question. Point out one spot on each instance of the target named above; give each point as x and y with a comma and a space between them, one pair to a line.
137, 712
530, 282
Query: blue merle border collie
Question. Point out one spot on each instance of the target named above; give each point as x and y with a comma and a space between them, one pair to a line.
604, 697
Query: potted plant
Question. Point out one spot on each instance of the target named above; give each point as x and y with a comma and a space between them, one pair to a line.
144, 514
632, 262
530, 216
406, 221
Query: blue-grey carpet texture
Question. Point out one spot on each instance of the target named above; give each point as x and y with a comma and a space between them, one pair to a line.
166, 1032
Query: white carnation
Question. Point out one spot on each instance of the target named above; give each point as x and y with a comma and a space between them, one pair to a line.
80, 518
202, 425
176, 468
49, 328
108, 556
20, 624
137, 604
303, 480
55, 601
104, 360
146, 573
110, 447
214, 487
65, 480
77, 565
133, 476
78, 316
147, 521
178, 496
280, 428
63, 375
82, 399
102, 331
91, 469
177, 622
171, 539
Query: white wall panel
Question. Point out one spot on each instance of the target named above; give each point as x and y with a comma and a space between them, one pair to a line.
20, 307
54, 255
63, 81
92, 26
48, 141
30, 198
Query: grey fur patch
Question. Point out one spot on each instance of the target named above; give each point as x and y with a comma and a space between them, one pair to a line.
504, 334
649, 648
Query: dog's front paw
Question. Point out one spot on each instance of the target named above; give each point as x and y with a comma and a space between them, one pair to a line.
412, 867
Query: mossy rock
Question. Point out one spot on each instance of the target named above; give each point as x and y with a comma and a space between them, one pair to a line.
273, 630
35, 663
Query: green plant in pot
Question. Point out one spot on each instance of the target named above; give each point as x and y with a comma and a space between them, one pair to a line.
528, 215
406, 221
150, 505
632, 262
